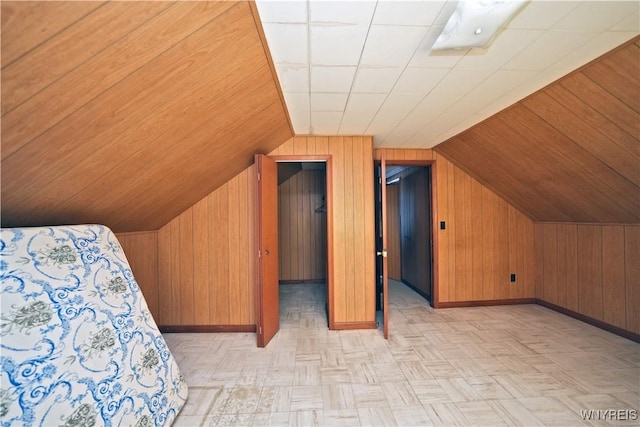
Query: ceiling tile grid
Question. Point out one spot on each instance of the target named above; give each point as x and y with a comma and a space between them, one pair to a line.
366, 67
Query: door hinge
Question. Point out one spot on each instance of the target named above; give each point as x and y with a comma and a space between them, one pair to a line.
258, 176
379, 180
259, 253
260, 330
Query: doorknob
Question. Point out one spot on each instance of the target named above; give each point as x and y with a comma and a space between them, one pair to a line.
382, 253
266, 251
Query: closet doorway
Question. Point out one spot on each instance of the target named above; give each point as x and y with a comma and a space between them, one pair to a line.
404, 231
293, 239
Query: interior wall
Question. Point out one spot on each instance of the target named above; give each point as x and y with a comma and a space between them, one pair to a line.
415, 230
205, 260
302, 227
353, 220
485, 239
141, 250
591, 270
393, 232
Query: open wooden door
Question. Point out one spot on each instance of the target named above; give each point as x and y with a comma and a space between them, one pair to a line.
381, 247
267, 298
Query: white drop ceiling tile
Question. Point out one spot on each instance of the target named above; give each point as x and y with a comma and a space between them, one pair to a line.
398, 105
425, 57
287, 43
297, 101
376, 79
282, 11
601, 44
301, 121
597, 15
504, 47
365, 102
441, 101
328, 101
460, 81
355, 123
541, 15
391, 45
496, 85
550, 48
630, 23
407, 12
339, 44
293, 78
341, 11
332, 79
419, 80
326, 123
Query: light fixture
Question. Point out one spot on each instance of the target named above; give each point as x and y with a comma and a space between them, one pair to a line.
475, 22
393, 181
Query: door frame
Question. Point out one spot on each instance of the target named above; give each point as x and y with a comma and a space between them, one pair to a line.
329, 205
435, 301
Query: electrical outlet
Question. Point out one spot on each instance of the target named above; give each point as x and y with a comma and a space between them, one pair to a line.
443, 225
513, 278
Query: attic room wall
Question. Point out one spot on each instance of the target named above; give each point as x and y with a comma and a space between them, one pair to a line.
591, 270
302, 230
206, 271
485, 240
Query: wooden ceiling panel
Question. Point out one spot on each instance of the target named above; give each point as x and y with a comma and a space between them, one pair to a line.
188, 96
101, 72
570, 152
25, 25
71, 47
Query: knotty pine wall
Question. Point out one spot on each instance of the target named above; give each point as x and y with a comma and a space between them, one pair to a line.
592, 270
302, 231
485, 239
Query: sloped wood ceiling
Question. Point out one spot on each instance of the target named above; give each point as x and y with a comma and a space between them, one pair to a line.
127, 113
570, 152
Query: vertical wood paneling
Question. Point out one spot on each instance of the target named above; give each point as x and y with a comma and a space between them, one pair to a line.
485, 238
141, 251
393, 231
369, 230
550, 291
186, 268
590, 271
593, 268
632, 276
165, 302
176, 288
613, 274
358, 181
298, 199
235, 262
201, 262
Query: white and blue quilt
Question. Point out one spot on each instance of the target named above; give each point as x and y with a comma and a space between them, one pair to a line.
78, 345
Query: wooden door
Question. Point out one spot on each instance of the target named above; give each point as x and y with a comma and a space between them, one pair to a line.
381, 242
268, 303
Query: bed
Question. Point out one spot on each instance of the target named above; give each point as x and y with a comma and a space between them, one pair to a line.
78, 345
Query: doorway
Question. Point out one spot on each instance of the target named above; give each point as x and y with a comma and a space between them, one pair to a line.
267, 237
302, 239
404, 230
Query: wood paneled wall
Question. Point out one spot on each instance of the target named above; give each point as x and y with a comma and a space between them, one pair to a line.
591, 270
302, 227
415, 230
206, 273
141, 250
568, 153
205, 259
394, 262
353, 220
485, 240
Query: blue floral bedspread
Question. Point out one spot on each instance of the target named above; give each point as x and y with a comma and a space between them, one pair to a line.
78, 344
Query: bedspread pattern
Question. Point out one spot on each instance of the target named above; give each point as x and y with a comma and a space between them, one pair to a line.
78, 343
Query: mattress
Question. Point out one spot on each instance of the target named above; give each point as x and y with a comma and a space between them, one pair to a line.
78, 345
